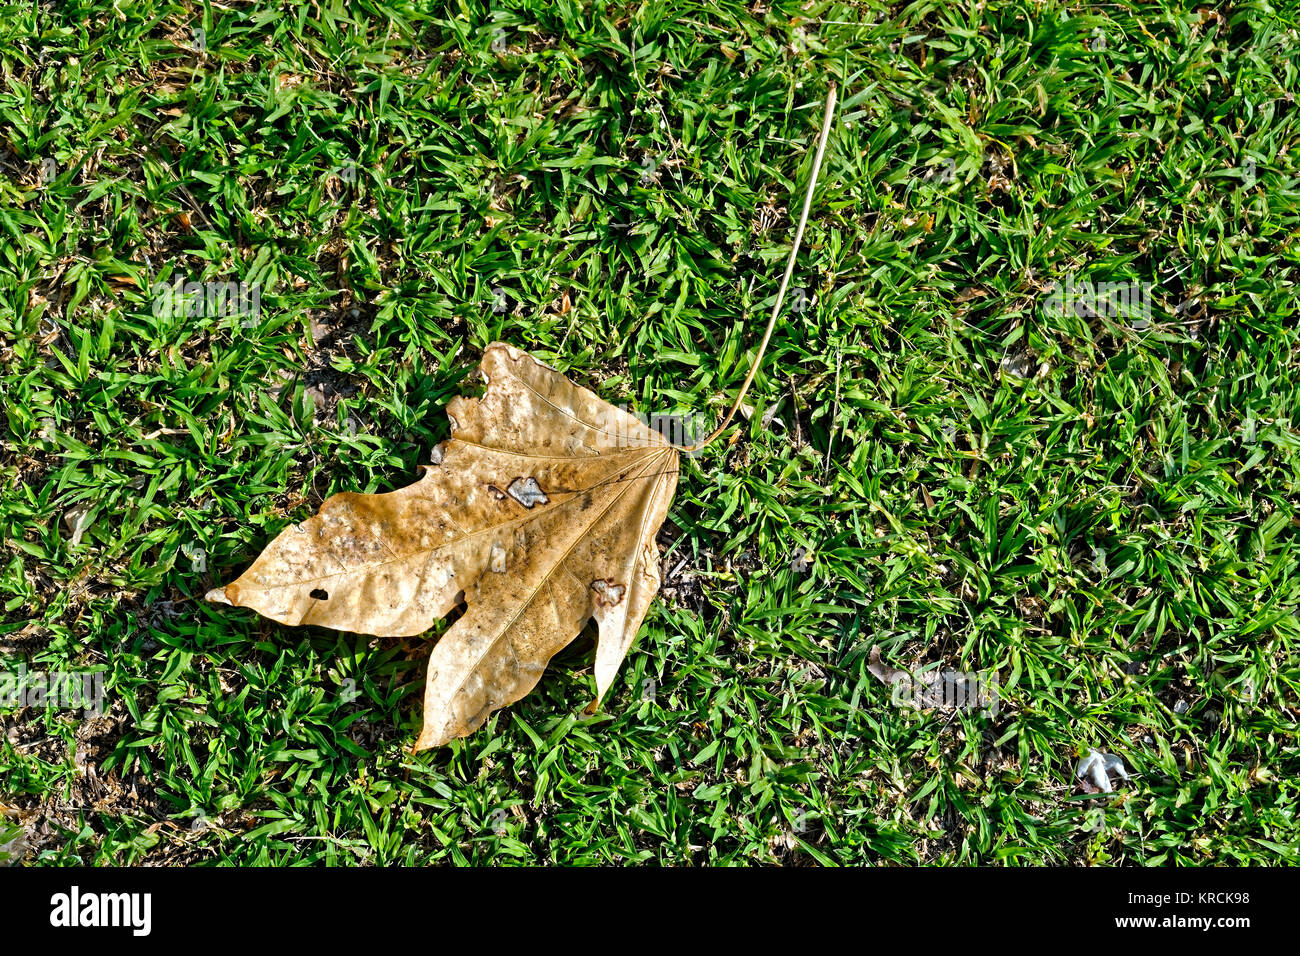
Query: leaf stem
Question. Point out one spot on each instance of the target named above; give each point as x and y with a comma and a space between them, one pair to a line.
785, 279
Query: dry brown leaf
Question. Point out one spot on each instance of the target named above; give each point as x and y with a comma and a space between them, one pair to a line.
540, 512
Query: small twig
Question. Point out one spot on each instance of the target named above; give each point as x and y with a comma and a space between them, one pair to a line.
785, 279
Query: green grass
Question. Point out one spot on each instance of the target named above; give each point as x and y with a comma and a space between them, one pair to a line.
1100, 511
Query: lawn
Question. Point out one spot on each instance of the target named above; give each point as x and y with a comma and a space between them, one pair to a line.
1031, 413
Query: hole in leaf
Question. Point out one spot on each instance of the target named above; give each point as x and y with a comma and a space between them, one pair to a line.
320, 594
